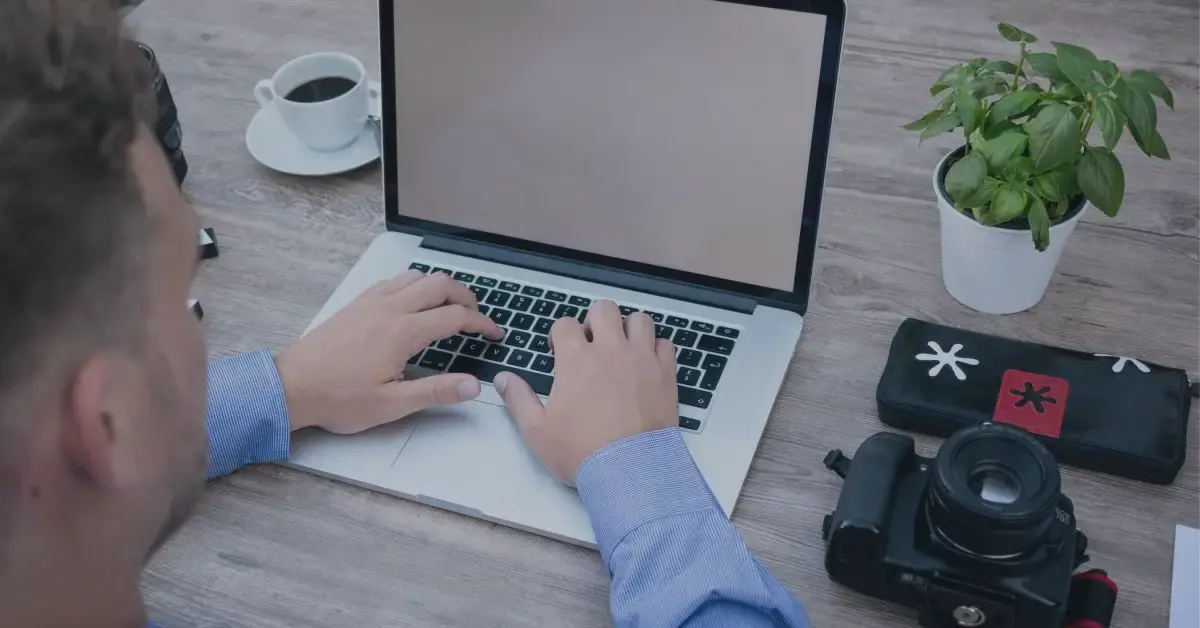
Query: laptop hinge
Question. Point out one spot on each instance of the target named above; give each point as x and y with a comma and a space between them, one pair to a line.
589, 272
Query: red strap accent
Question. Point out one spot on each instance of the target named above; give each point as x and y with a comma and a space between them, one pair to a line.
1098, 576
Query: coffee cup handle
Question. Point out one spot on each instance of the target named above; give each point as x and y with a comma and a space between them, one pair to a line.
264, 93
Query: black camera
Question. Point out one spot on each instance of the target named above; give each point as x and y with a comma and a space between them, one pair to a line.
167, 129
978, 537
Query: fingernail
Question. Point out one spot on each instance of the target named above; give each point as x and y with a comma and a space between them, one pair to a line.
500, 382
468, 389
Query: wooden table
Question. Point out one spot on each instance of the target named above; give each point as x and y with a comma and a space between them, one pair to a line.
276, 547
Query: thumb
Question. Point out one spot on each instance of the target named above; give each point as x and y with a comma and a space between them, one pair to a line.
522, 403
438, 390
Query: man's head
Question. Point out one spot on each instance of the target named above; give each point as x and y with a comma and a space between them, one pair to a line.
102, 368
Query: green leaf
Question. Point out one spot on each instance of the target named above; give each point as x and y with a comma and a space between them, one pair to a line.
1156, 147
1138, 107
1019, 169
1051, 186
999, 128
949, 72
1109, 118
1108, 70
1039, 224
938, 88
1011, 105
1006, 67
1046, 64
1102, 179
965, 177
1059, 209
1034, 87
1078, 63
1012, 33
989, 85
970, 110
1146, 82
948, 122
982, 195
1068, 92
917, 125
999, 152
1009, 204
1053, 137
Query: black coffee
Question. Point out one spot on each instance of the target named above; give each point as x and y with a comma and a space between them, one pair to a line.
321, 89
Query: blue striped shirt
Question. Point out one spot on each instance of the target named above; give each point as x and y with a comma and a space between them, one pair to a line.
674, 557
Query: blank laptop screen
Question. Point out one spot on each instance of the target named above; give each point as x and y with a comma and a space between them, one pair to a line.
668, 132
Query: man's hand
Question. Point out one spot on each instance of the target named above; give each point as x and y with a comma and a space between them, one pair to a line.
612, 379
346, 375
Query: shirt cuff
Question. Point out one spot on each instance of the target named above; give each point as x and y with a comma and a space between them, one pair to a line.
637, 480
248, 418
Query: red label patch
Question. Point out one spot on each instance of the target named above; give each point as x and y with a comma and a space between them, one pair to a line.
1034, 402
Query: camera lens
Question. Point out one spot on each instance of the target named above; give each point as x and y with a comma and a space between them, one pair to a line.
994, 491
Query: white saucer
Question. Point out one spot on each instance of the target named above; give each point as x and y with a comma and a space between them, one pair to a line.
273, 145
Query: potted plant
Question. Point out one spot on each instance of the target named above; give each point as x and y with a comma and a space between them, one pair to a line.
1038, 134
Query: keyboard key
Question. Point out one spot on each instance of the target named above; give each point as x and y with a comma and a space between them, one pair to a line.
497, 298
451, 344
416, 358
715, 344
626, 310
540, 343
543, 308
727, 332
500, 316
580, 301
473, 347
419, 266
436, 360
483, 309
662, 331
684, 338
714, 362
443, 270
556, 296
496, 352
694, 397
566, 310
522, 321
464, 277
655, 316
688, 423
520, 303
687, 376
543, 325
689, 357
710, 379
706, 328
543, 363
486, 371
510, 286
480, 293
582, 315
486, 282
520, 359
517, 339
677, 321
532, 291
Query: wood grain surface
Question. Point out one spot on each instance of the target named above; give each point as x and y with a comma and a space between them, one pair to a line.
272, 547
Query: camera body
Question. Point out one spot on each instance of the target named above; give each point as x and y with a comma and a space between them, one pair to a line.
978, 537
167, 129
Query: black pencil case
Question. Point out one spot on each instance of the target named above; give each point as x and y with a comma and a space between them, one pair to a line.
1107, 413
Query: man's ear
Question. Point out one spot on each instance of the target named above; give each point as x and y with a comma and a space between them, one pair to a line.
89, 430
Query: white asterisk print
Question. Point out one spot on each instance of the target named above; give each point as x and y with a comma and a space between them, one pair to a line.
1119, 365
946, 358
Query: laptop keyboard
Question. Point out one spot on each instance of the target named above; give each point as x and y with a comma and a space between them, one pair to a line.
526, 312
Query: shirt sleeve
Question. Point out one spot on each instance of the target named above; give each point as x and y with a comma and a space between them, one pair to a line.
247, 413
674, 557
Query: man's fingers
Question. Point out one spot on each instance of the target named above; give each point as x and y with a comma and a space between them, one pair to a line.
604, 322
566, 334
639, 328
434, 291
427, 392
447, 320
666, 353
522, 403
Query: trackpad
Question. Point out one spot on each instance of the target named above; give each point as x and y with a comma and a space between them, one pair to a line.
471, 455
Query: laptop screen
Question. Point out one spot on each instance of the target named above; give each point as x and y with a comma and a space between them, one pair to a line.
675, 133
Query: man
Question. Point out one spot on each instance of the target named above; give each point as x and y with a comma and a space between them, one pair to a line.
102, 370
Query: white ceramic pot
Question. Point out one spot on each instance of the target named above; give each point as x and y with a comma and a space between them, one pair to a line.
990, 269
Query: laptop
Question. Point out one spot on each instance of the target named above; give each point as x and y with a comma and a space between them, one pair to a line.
668, 155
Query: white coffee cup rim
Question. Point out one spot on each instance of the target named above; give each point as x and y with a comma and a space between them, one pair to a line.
292, 63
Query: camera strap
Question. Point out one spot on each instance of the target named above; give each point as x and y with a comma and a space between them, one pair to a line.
1091, 601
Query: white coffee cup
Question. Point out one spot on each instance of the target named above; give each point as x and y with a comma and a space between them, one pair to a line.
322, 125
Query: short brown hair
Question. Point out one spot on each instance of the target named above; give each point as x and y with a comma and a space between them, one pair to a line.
73, 89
